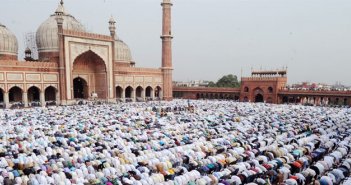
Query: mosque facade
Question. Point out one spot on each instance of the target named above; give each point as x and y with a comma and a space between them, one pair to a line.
74, 64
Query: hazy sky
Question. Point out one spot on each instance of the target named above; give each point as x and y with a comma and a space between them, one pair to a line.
216, 37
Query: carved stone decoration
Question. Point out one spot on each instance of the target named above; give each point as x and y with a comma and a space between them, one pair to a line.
50, 78
128, 79
34, 85
78, 49
139, 79
14, 76
48, 85
33, 77
157, 80
148, 79
119, 78
9, 86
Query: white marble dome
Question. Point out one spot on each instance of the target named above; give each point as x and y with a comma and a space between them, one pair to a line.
47, 33
8, 42
122, 51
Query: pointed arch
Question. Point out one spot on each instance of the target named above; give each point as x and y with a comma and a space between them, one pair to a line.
258, 95
50, 93
119, 92
89, 57
33, 94
149, 92
93, 68
139, 92
15, 94
129, 93
80, 88
270, 89
158, 92
2, 95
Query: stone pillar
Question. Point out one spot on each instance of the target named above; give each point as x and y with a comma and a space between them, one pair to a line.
57, 98
152, 94
42, 99
161, 94
319, 101
6, 100
134, 95
167, 50
143, 95
123, 95
25, 99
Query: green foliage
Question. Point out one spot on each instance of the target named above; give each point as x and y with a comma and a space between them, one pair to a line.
226, 81
212, 84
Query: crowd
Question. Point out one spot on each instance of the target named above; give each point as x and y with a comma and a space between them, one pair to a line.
175, 143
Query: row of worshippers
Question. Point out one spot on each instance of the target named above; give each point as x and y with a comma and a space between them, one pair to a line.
217, 142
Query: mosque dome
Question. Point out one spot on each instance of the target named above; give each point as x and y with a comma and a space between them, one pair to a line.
8, 42
122, 51
47, 33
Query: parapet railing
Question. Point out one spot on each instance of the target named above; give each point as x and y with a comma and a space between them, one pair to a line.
138, 69
315, 92
262, 78
206, 89
87, 35
16, 63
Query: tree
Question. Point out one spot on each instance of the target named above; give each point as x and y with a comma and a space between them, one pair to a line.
226, 81
212, 84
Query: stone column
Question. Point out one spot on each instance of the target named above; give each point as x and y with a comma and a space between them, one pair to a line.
161, 94
123, 95
152, 95
134, 95
57, 99
143, 95
25, 99
42, 99
6, 100
319, 101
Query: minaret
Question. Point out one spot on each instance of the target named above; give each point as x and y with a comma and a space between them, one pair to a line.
112, 27
62, 75
167, 50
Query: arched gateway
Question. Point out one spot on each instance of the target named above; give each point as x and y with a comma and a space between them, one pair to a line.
90, 76
80, 88
259, 98
258, 95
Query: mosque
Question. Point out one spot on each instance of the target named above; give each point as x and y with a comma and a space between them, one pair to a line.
74, 64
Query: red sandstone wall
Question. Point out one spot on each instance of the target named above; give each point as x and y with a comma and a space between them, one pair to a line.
121, 64
8, 57
263, 84
49, 56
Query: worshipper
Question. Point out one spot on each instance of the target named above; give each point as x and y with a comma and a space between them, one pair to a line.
213, 142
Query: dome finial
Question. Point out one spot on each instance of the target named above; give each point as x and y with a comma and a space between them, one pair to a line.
112, 20
60, 10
